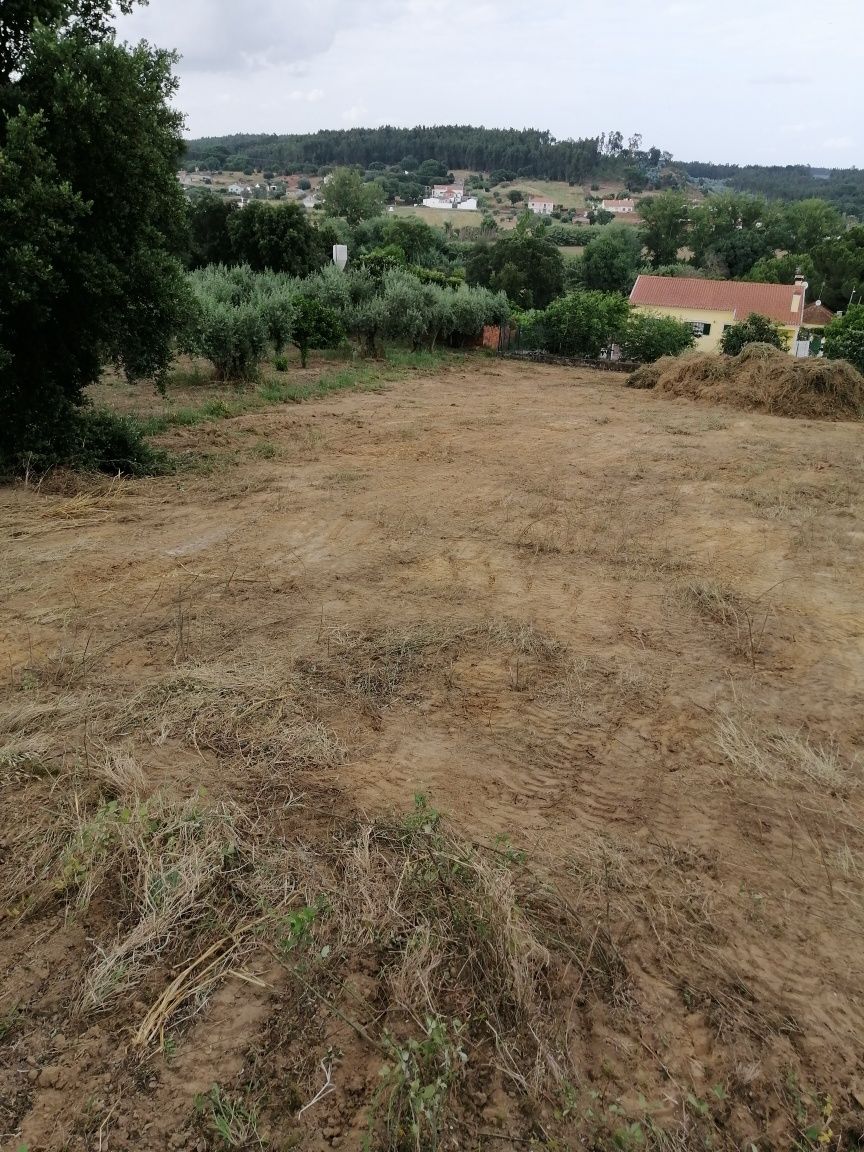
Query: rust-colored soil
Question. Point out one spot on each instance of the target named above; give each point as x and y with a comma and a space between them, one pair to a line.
617, 641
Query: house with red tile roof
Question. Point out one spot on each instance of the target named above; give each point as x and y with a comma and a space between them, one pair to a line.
816, 315
621, 207
710, 306
540, 206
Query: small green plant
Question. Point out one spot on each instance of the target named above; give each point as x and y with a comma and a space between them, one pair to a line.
424, 818
298, 927
265, 450
511, 854
234, 1123
417, 1080
820, 1134
280, 363
632, 1136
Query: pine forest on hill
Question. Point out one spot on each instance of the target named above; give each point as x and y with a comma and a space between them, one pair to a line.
525, 153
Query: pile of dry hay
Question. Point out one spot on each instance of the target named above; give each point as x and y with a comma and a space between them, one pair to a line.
762, 378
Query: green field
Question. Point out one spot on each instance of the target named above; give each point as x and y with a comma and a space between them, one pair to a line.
438, 216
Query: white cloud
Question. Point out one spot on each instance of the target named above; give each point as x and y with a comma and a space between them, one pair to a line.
571, 66
312, 96
839, 143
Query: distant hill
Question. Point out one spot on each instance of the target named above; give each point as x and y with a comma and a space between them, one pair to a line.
844, 187
526, 153
523, 152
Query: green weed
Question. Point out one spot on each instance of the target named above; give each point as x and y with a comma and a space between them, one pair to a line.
234, 1123
416, 1083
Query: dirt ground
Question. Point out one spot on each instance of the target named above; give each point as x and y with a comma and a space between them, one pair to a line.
534, 709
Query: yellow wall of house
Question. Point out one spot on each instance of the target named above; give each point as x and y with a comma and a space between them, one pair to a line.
717, 320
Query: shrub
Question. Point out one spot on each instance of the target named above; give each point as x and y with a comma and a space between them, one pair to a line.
754, 330
96, 440
585, 324
844, 337
313, 325
647, 338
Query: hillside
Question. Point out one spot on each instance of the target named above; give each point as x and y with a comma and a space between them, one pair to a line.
528, 153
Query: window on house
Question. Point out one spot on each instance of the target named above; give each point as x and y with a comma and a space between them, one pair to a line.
700, 329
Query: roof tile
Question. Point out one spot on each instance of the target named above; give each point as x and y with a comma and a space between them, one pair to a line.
772, 300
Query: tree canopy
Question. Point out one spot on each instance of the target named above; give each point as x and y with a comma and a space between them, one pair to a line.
611, 260
92, 218
346, 195
844, 337
665, 220
524, 265
754, 330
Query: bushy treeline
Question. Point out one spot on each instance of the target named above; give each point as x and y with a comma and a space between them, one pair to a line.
586, 324
285, 238
843, 187
240, 315
523, 152
736, 235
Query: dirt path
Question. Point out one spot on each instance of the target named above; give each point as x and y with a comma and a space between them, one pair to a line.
618, 633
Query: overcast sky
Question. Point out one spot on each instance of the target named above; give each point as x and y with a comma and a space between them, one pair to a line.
747, 81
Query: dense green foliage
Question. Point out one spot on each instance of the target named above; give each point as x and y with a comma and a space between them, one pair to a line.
526, 153
844, 337
754, 330
523, 264
738, 236
346, 195
611, 260
842, 187
665, 219
313, 324
277, 237
581, 324
239, 314
91, 217
585, 325
646, 338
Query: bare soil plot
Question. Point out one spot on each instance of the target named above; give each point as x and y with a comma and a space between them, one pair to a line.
472, 764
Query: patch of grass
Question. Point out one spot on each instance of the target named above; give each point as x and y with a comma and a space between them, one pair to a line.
779, 756
417, 1080
233, 1122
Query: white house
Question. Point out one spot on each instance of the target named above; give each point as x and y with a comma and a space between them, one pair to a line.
469, 205
619, 206
450, 194
540, 206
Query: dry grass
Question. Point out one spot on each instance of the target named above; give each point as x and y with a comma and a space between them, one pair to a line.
476, 928
747, 619
781, 757
377, 667
247, 712
761, 378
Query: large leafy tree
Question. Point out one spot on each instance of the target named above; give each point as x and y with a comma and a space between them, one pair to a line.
524, 265
611, 260
646, 338
91, 215
585, 323
665, 222
346, 194
839, 266
209, 234
755, 329
277, 237
730, 232
844, 337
